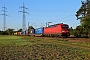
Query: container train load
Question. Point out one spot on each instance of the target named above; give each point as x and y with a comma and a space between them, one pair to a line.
56, 30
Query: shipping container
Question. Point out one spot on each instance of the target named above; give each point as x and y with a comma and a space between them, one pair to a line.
39, 31
15, 33
19, 33
23, 32
32, 31
27, 32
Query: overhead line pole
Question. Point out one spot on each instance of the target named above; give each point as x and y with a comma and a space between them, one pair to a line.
4, 14
24, 18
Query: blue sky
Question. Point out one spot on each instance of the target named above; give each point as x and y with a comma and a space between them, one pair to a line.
40, 12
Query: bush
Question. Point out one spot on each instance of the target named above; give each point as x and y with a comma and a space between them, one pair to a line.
3, 33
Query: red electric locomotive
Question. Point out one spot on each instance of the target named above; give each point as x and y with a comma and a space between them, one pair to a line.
60, 30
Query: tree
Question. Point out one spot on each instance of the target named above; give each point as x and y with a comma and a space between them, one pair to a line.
78, 31
0, 32
83, 14
3, 33
20, 30
30, 27
82, 11
71, 31
10, 31
86, 24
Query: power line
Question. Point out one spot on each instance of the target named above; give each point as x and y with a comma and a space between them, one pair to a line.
24, 18
4, 14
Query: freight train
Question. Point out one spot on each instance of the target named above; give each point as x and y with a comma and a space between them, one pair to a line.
56, 30
59, 30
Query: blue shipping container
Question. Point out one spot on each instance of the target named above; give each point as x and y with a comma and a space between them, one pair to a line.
39, 31
23, 32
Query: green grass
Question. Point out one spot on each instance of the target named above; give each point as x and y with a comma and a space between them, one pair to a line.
30, 48
13, 40
9, 37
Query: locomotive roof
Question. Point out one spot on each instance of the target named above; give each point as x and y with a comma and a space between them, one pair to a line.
56, 24
60, 24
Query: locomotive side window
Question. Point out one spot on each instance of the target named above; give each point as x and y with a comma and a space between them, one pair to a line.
65, 26
51, 26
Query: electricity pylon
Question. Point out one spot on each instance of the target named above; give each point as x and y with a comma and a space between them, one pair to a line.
4, 14
24, 18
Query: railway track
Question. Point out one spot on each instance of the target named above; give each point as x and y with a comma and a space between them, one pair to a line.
70, 39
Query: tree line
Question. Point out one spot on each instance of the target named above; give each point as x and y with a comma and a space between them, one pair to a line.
11, 31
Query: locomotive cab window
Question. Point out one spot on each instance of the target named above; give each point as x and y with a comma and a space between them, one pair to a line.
65, 26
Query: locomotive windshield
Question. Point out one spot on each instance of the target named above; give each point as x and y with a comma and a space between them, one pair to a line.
65, 26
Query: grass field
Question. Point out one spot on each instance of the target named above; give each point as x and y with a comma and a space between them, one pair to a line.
42, 48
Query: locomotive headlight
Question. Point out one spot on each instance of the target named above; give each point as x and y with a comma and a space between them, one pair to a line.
62, 31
